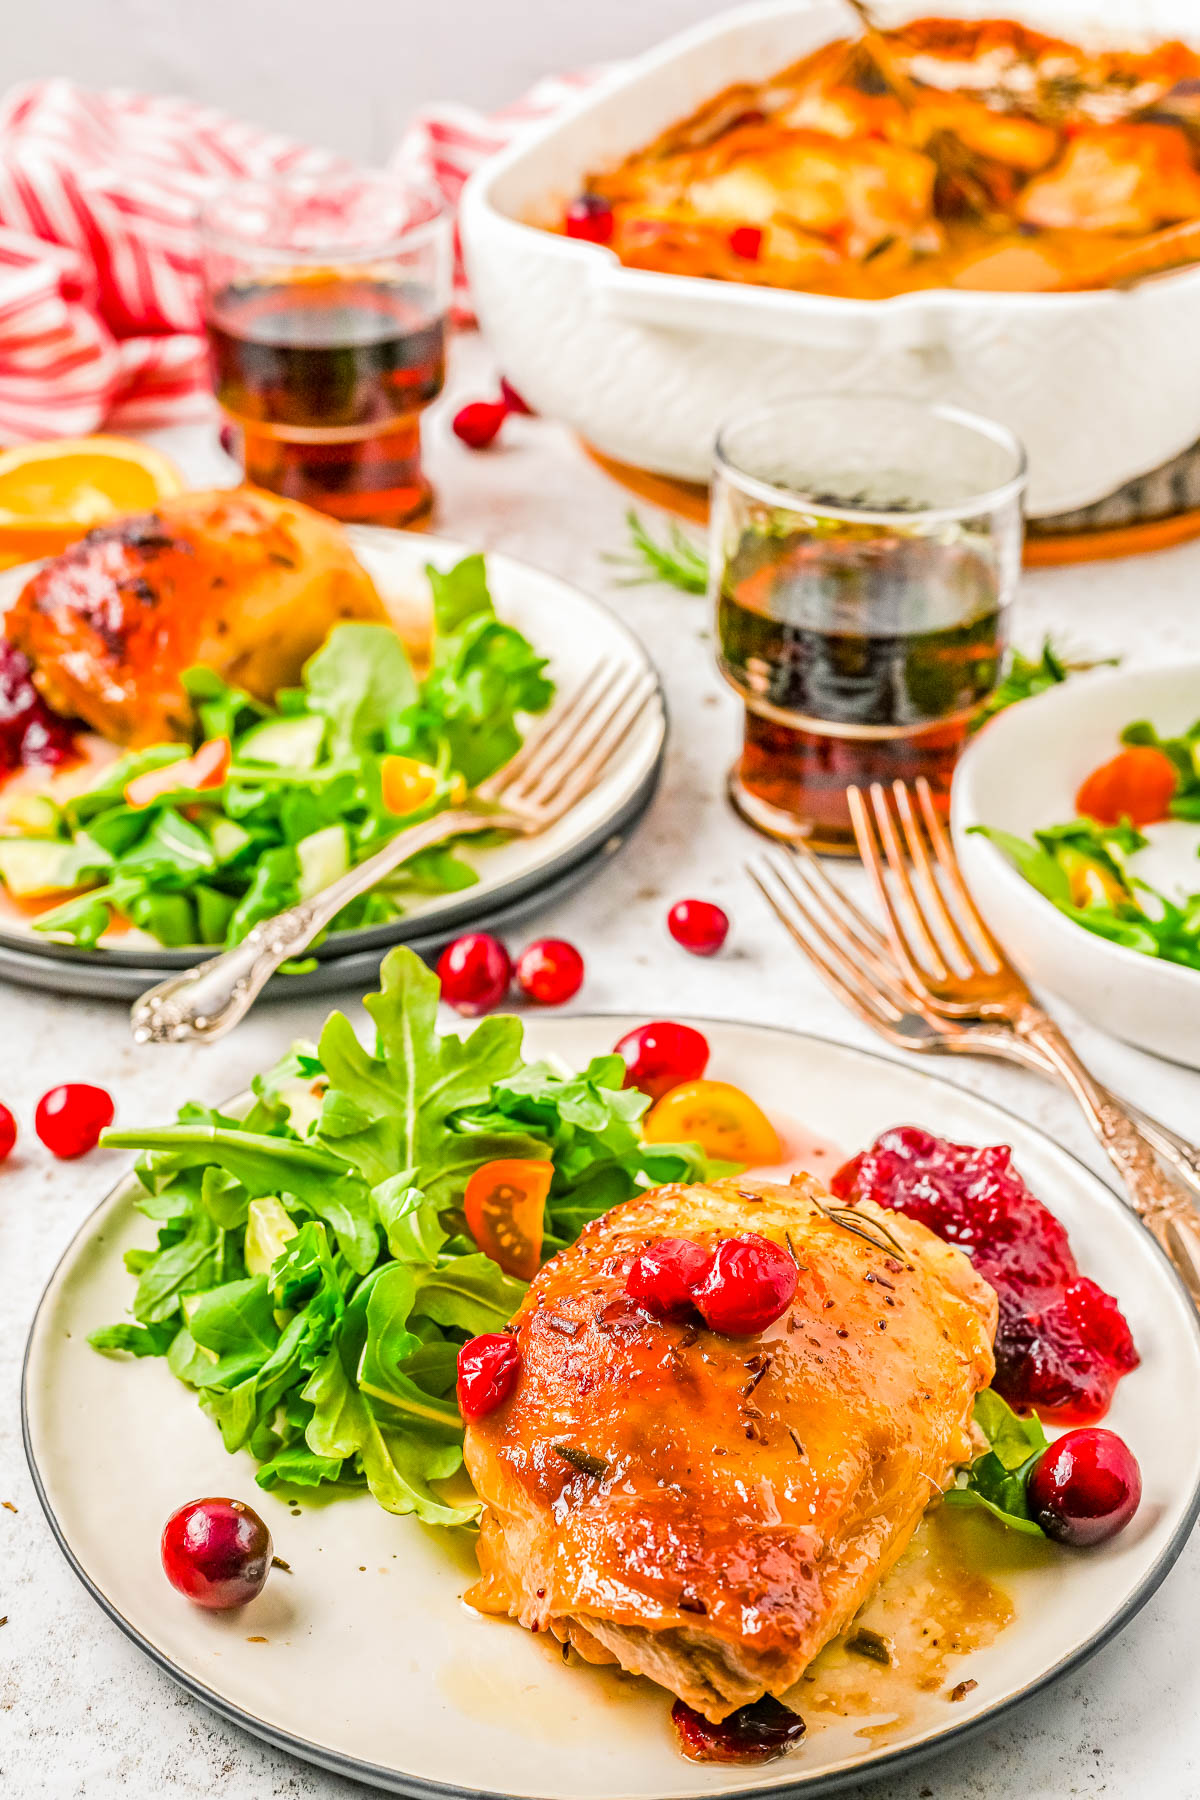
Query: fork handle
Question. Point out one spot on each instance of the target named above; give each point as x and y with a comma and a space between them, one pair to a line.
206, 1001
1158, 1202
1169, 1145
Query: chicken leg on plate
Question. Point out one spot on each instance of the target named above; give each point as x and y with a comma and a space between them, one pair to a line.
710, 1510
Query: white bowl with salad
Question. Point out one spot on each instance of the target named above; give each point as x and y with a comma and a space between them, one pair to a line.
1077, 819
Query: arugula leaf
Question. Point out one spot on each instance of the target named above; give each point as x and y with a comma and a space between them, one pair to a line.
387, 1113
359, 680
998, 1480
133, 1340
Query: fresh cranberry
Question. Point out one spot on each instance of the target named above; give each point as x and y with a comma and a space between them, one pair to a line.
1062, 1344
750, 1282
550, 971
590, 217
1085, 1487
488, 1367
474, 972
514, 401
664, 1277
217, 1553
698, 926
69, 1119
661, 1055
30, 734
8, 1131
478, 424
752, 1734
746, 241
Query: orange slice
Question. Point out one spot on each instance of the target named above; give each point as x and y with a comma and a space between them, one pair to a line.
52, 493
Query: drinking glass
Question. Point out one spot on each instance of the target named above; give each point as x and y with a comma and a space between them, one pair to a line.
325, 305
865, 552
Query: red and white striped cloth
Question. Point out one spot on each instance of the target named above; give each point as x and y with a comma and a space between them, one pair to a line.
99, 260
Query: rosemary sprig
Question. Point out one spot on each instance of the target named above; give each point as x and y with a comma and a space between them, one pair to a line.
679, 562
1027, 677
583, 1460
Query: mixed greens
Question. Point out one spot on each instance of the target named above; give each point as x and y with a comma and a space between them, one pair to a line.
313, 1279
297, 794
1084, 867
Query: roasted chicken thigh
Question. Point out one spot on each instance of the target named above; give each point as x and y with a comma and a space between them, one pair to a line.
710, 1510
241, 581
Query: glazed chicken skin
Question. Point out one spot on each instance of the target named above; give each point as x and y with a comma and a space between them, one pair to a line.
725, 1505
241, 581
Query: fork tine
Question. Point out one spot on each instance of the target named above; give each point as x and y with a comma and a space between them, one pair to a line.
919, 915
827, 905
545, 777
914, 839
947, 856
568, 781
864, 929
873, 858
835, 969
563, 721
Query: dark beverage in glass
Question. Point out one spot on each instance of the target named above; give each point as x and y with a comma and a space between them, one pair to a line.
324, 354
863, 621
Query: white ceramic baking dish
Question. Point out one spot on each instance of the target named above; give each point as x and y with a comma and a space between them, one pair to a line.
1101, 387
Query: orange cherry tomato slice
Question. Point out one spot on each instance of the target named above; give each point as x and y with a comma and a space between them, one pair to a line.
1137, 785
505, 1204
723, 1120
206, 769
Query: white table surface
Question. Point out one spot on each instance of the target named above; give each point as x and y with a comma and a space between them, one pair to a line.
81, 1712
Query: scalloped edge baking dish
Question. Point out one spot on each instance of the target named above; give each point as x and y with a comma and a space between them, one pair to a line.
1101, 387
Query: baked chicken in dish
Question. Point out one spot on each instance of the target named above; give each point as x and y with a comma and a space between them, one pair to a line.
709, 1510
239, 580
946, 153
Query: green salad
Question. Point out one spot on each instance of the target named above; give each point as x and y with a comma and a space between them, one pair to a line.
277, 803
1084, 867
313, 1279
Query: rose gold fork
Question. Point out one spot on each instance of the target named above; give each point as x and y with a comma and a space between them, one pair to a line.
947, 954
855, 960
541, 784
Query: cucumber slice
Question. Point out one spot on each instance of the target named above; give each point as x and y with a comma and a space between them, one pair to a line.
228, 839
323, 857
284, 743
269, 1229
33, 866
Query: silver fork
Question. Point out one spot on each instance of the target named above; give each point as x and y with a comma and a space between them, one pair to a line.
855, 961
546, 778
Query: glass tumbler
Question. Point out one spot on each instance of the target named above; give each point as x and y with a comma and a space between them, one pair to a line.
864, 557
325, 306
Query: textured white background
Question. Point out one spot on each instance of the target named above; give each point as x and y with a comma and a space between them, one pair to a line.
82, 1715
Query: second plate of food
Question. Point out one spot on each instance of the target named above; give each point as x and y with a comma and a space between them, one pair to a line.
360, 1654
573, 632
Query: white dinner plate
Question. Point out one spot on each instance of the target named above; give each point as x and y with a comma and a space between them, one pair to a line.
576, 633
1021, 774
364, 1658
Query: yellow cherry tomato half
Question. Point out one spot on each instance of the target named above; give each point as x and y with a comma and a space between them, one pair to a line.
407, 783
719, 1117
505, 1204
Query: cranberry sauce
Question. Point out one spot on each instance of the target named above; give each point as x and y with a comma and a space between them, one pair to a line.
752, 1734
1062, 1343
30, 734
